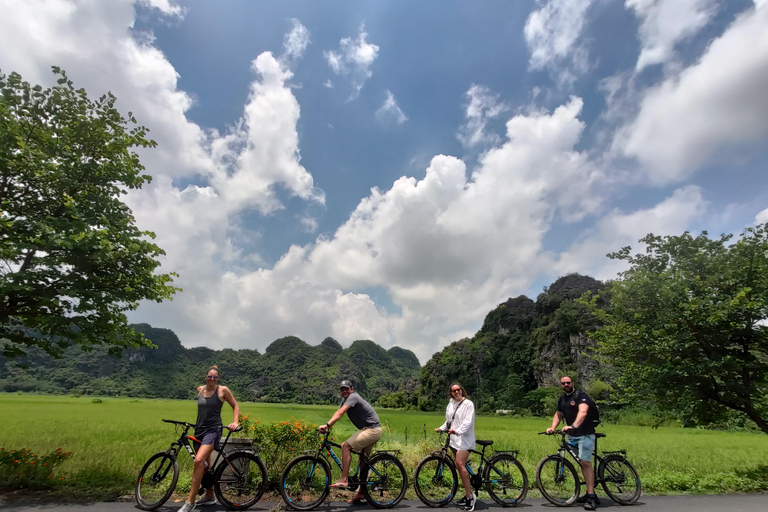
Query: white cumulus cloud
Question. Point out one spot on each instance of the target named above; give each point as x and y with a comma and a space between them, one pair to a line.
390, 111
295, 42
665, 23
554, 37
481, 106
762, 217
718, 103
354, 59
618, 229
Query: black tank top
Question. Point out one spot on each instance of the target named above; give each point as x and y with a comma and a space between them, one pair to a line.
208, 412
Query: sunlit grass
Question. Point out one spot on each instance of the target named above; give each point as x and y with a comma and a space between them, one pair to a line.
111, 439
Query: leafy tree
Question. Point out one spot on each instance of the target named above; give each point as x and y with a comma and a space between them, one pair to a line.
686, 325
72, 260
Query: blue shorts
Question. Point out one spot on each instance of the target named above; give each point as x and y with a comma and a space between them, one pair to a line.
209, 437
583, 445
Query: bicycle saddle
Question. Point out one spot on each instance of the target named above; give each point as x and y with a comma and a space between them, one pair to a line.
484, 443
599, 434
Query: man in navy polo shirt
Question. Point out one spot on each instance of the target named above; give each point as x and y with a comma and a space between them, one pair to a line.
579, 412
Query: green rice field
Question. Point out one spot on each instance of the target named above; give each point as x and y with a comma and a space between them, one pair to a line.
110, 439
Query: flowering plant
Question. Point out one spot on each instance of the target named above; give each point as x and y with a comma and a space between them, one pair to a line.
22, 469
282, 441
249, 426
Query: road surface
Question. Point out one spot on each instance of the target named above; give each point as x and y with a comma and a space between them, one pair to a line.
713, 503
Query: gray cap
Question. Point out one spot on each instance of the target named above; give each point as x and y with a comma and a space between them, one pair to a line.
345, 384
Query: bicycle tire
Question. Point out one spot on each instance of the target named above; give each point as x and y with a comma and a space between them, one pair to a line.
240, 480
386, 483
435, 480
157, 481
557, 480
619, 479
305, 482
505, 480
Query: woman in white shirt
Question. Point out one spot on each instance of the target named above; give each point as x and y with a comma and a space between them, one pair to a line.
460, 423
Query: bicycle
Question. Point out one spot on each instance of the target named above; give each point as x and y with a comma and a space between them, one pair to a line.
238, 481
435, 479
559, 483
305, 482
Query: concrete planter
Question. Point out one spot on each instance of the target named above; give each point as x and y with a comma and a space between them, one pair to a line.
235, 444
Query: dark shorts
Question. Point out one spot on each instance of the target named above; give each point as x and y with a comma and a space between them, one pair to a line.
209, 437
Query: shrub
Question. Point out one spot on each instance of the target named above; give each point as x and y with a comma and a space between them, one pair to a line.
599, 390
22, 469
282, 441
542, 401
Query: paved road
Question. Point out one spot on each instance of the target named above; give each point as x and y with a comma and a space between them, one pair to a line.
716, 503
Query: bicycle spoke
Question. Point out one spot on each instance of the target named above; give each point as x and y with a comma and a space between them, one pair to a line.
506, 480
435, 481
557, 480
240, 480
386, 482
304, 483
156, 481
620, 480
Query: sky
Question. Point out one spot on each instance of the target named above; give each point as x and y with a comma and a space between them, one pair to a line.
394, 170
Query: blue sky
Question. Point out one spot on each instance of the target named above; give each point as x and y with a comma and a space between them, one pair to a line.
394, 170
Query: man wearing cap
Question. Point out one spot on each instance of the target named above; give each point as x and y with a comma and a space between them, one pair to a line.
365, 419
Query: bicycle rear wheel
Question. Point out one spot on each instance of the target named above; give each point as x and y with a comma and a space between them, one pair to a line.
506, 480
620, 480
435, 481
386, 482
557, 480
157, 480
305, 482
240, 480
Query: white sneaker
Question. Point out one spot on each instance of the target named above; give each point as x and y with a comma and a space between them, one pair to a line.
187, 507
206, 500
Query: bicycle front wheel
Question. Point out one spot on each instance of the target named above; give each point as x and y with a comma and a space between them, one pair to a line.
240, 480
386, 482
557, 480
435, 481
305, 482
506, 480
157, 480
620, 480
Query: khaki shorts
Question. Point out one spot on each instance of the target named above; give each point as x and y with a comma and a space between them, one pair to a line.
364, 439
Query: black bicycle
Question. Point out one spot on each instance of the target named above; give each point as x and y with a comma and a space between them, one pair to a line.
559, 482
504, 478
238, 481
306, 480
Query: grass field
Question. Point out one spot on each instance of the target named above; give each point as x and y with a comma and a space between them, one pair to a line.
110, 439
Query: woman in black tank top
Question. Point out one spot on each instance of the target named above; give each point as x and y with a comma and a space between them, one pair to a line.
208, 428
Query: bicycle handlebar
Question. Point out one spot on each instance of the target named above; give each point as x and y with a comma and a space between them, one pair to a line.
190, 425
561, 432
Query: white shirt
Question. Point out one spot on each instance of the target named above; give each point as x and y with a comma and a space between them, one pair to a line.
463, 423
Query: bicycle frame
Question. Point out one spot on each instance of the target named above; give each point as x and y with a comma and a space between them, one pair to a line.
326, 445
185, 440
566, 447
474, 476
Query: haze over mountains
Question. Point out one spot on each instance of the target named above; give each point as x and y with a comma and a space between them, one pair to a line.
520, 349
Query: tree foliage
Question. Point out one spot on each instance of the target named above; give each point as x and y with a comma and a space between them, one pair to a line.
522, 345
72, 260
686, 324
